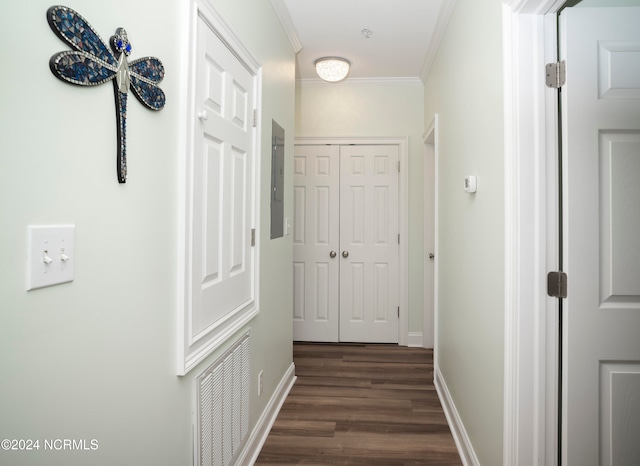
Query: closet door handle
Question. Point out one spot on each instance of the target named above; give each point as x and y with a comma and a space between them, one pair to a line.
345, 254
332, 254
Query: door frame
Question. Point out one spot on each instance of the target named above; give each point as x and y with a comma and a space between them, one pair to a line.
194, 348
403, 193
430, 306
531, 401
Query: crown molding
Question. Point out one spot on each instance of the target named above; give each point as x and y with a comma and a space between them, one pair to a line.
441, 26
287, 24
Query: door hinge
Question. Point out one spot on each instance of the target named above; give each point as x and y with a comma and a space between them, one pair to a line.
398, 312
556, 74
255, 117
557, 284
398, 238
253, 237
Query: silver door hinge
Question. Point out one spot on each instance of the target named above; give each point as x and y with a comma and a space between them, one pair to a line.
557, 284
556, 74
398, 311
253, 237
255, 117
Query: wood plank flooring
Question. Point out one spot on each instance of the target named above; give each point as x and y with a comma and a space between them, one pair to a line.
361, 405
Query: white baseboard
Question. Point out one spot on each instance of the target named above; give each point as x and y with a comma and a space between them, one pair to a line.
261, 430
415, 339
465, 449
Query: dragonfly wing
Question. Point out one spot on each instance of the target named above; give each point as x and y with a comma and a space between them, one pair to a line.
76, 31
145, 74
150, 95
150, 68
80, 68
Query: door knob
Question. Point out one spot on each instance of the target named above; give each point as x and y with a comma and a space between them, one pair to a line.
332, 254
203, 115
345, 254
431, 256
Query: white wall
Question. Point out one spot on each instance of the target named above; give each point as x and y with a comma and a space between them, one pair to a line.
370, 109
96, 358
465, 88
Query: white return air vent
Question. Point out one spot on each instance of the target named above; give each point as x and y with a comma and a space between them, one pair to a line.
223, 392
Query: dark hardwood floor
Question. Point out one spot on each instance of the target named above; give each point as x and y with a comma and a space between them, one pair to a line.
361, 405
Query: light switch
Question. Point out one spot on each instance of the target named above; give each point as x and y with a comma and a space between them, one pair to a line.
51, 255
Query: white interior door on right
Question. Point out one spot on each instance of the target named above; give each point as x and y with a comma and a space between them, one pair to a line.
369, 244
601, 240
346, 252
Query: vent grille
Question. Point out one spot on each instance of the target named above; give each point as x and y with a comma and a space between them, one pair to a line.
223, 405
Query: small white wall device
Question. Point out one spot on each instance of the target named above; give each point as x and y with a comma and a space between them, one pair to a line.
470, 184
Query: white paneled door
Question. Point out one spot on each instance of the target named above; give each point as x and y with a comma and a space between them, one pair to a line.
316, 242
601, 186
223, 197
369, 244
346, 251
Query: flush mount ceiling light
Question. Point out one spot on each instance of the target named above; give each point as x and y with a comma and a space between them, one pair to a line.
332, 69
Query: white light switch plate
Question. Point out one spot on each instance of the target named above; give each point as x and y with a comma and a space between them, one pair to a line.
51, 255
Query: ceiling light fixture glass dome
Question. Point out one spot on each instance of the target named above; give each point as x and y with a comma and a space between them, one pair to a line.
332, 69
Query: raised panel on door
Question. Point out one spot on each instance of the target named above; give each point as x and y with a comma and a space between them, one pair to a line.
222, 262
369, 274
601, 152
316, 204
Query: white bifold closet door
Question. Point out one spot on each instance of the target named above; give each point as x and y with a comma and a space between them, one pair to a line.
346, 246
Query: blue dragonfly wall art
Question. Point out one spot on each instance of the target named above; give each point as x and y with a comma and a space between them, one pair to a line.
91, 63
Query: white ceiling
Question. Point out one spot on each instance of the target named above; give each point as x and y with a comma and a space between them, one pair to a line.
405, 34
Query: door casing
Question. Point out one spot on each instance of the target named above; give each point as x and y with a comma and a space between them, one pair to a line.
403, 144
195, 347
531, 240
430, 311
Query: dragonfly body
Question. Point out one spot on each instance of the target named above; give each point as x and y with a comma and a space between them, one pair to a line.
123, 74
91, 63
